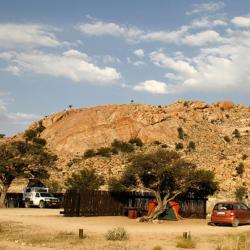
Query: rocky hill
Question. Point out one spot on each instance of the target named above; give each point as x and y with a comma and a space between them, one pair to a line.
214, 136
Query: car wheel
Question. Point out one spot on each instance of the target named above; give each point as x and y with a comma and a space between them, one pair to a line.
26, 204
235, 223
41, 204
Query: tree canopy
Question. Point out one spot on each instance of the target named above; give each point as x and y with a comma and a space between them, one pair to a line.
28, 159
167, 175
86, 179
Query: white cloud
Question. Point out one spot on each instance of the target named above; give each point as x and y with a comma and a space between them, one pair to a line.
206, 7
165, 36
202, 38
174, 77
139, 53
178, 65
15, 118
99, 28
18, 35
76, 54
183, 35
221, 68
138, 63
206, 22
241, 21
108, 59
152, 86
71, 64
13, 69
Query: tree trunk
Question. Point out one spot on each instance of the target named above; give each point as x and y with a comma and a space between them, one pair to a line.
161, 206
158, 209
3, 194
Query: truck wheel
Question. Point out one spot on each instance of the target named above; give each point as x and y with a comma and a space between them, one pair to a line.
41, 204
27, 204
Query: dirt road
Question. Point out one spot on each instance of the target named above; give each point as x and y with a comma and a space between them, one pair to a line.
142, 235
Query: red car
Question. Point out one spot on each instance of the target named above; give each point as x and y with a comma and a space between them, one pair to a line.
233, 213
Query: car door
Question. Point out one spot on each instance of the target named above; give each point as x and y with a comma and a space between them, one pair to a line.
238, 212
245, 213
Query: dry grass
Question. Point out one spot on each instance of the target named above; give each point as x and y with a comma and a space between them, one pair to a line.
26, 236
185, 243
117, 234
157, 248
235, 242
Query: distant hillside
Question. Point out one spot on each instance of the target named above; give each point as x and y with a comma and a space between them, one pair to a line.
214, 136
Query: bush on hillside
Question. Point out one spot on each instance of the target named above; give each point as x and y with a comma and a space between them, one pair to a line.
104, 151
122, 146
137, 141
89, 153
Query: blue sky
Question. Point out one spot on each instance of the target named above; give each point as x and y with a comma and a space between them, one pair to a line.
87, 53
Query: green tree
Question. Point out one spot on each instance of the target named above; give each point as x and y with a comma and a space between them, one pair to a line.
240, 192
167, 175
23, 159
2, 136
85, 178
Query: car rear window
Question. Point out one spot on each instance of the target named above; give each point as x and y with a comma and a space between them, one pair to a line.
223, 206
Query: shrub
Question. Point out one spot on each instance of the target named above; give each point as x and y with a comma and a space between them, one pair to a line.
86, 178
191, 146
240, 169
39, 141
240, 193
185, 243
244, 157
116, 186
122, 146
54, 186
104, 151
137, 141
89, 153
180, 133
30, 134
73, 161
164, 145
226, 138
2, 136
179, 146
114, 151
236, 133
156, 142
117, 233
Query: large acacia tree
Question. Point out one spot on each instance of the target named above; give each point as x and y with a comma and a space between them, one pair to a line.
27, 158
167, 175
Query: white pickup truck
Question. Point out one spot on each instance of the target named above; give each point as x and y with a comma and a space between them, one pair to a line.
39, 196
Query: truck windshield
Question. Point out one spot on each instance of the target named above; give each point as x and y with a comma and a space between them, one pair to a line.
46, 195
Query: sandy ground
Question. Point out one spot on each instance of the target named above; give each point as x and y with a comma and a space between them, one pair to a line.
142, 235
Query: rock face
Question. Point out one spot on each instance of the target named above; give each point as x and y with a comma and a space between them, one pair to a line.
210, 126
75, 131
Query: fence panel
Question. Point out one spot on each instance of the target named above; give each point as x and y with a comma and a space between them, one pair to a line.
104, 203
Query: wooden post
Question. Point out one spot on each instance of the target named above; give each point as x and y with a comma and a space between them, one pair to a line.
185, 235
189, 236
80, 233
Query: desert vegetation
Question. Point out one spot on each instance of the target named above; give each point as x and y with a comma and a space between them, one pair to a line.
165, 174
28, 158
